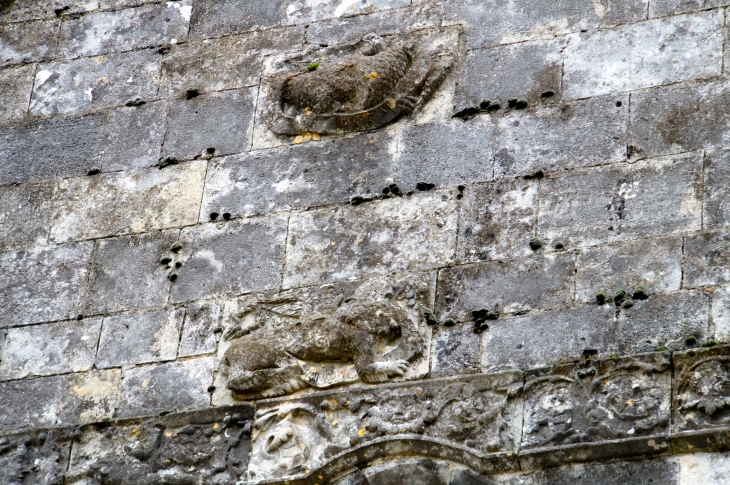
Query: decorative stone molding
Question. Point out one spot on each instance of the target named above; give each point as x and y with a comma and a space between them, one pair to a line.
38, 457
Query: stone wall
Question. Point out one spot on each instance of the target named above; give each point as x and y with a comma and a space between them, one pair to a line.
149, 216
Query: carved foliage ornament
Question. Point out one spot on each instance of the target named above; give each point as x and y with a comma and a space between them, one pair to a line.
359, 86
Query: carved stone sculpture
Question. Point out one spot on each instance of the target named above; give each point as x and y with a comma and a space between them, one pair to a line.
358, 87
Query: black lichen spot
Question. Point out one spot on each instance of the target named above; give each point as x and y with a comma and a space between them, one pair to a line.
176, 247
601, 298
619, 104
394, 189
165, 413
218, 330
210, 150
60, 10
313, 66
178, 264
172, 277
357, 200
80, 316
93, 171
548, 94
429, 316
386, 190
424, 186
349, 299
663, 348
709, 343
227, 216
466, 113
211, 388
590, 353
640, 293
627, 304
449, 322
134, 102
166, 260
485, 103
521, 104
214, 216
163, 50
192, 93
167, 161
537, 175
494, 106
512, 102
535, 243
691, 340
619, 297
559, 245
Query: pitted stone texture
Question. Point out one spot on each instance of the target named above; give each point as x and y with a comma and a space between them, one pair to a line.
16, 84
528, 141
535, 282
43, 9
663, 320
224, 63
25, 42
446, 154
139, 338
707, 259
53, 348
128, 202
717, 190
230, 258
89, 397
680, 118
721, 314
95, 82
125, 30
655, 264
636, 56
493, 22
497, 220
524, 70
540, 339
30, 403
219, 121
703, 468
173, 386
198, 335
412, 234
126, 273
60, 147
133, 137
665, 8
455, 351
27, 206
39, 457
43, 284
299, 176
623, 201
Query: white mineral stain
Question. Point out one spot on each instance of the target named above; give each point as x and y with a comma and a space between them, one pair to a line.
42, 77
344, 6
209, 256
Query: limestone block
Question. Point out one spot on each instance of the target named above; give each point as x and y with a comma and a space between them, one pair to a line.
25, 215
455, 351
128, 202
89, 397
53, 348
95, 82
680, 118
400, 234
124, 30
43, 9
665, 8
172, 386
663, 320
498, 220
230, 258
717, 190
624, 201
25, 42
30, 403
126, 273
703, 468
721, 314
636, 56
218, 123
139, 338
299, 176
524, 70
225, 63
707, 259
202, 320
43, 284
446, 154
493, 22
39, 457
540, 339
655, 264
133, 137
16, 83
535, 282
528, 141
45, 149
620, 473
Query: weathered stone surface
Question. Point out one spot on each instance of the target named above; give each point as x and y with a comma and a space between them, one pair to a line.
331, 244
540, 339
707, 259
665, 472
492, 22
703, 468
208, 448
41, 9
636, 56
717, 190
675, 7
299, 176
528, 141
25, 42
16, 84
524, 70
54, 348
60, 147
230, 258
124, 30
63, 87
128, 202
90, 396
173, 386
537, 282
26, 206
39, 457
133, 137
680, 118
417, 470
655, 264
198, 335
43, 284
663, 320
126, 273
224, 63
219, 121
455, 351
139, 338
497, 220
623, 201
446, 154
30, 403
721, 314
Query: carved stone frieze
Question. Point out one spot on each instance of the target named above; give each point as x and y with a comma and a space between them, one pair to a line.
359, 86
416, 470
38, 457
197, 448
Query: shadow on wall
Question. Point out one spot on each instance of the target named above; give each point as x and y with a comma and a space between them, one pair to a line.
6, 5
